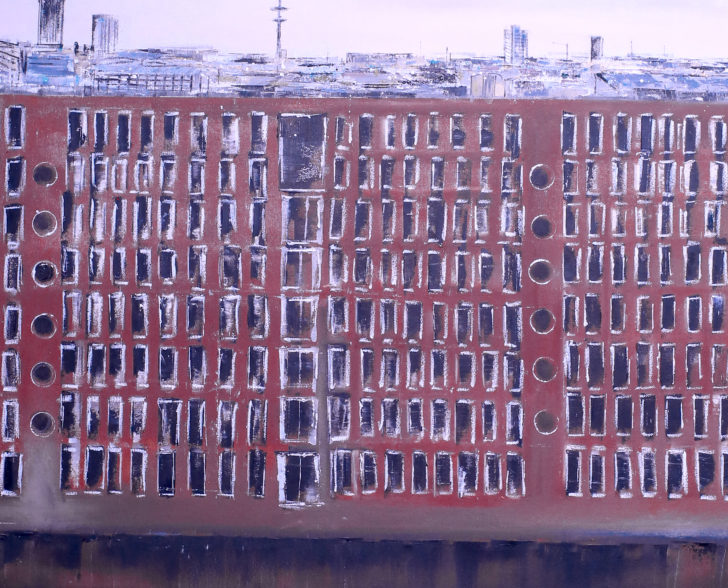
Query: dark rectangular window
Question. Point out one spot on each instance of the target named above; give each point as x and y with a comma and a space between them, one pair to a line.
593, 313
256, 473
675, 486
227, 411
166, 473
624, 415
300, 478
571, 264
467, 473
596, 474
596, 122
512, 141
171, 127
169, 415
575, 414
649, 473
646, 133
433, 130
94, 467
463, 421
15, 171
648, 408
443, 473
419, 472
595, 364
667, 312
197, 472
514, 475
227, 473
366, 125
138, 471
196, 422
457, 131
258, 132
667, 365
257, 413
15, 132
568, 133
299, 419
366, 416
573, 467
622, 132
341, 479
368, 472
706, 471
486, 131
339, 416
620, 366
597, 413
123, 133
623, 472
717, 311
692, 134
673, 415
147, 132
76, 129
394, 462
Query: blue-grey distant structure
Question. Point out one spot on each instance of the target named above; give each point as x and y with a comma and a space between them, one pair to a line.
597, 48
50, 23
101, 69
104, 34
515, 45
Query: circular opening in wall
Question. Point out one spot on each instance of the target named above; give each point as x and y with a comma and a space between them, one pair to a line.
542, 227
44, 223
544, 369
43, 273
542, 321
545, 422
540, 271
541, 176
43, 374
42, 424
44, 174
43, 326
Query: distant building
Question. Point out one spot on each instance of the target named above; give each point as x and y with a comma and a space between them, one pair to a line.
515, 44
597, 48
50, 22
104, 33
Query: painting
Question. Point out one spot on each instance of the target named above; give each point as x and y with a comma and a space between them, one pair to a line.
448, 276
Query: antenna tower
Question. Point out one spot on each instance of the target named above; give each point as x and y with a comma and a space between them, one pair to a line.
279, 20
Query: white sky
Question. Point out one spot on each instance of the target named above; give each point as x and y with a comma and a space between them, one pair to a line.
697, 28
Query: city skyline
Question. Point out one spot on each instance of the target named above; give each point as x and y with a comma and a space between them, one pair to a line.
466, 27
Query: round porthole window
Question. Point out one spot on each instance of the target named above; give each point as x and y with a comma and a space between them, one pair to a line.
44, 223
545, 422
542, 321
540, 271
44, 174
43, 374
42, 424
43, 326
542, 227
544, 369
44, 273
541, 176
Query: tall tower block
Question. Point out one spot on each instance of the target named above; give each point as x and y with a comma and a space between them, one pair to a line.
50, 22
104, 33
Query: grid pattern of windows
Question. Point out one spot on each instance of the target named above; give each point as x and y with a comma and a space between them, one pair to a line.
298, 305
643, 266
